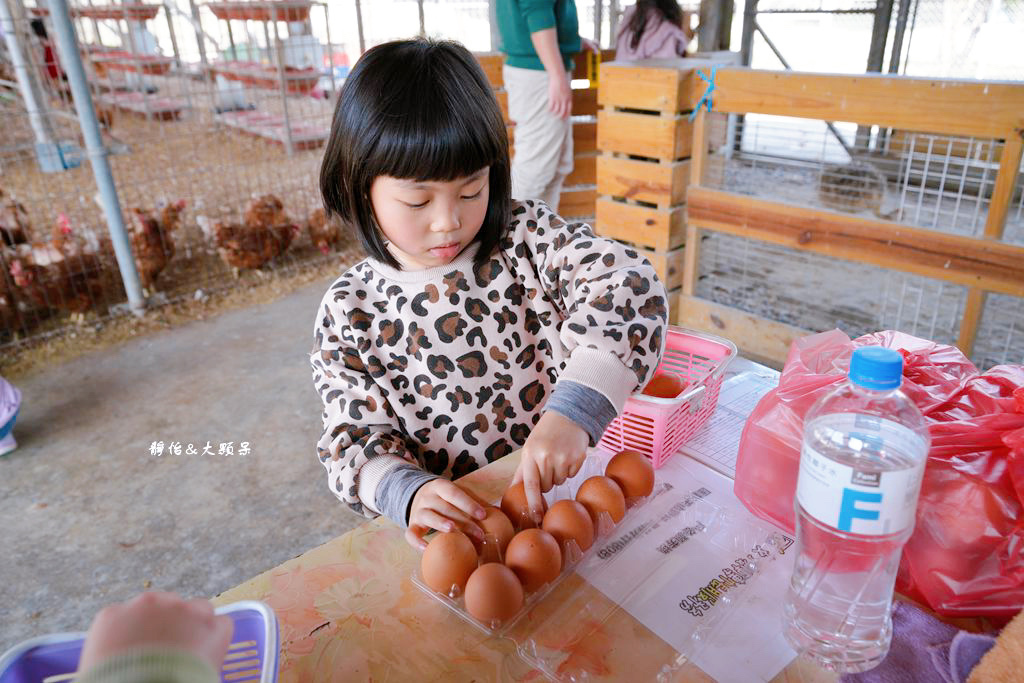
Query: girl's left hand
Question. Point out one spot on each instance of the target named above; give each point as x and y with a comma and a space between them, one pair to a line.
553, 453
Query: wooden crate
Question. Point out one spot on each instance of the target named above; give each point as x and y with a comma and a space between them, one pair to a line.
502, 97
645, 139
656, 182
659, 229
492, 63
577, 202
667, 137
584, 171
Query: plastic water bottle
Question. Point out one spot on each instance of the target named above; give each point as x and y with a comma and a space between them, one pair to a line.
864, 451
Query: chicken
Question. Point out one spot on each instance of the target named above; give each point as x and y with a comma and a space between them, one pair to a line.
43, 276
71, 243
14, 225
151, 240
323, 232
244, 246
170, 215
265, 211
264, 234
10, 315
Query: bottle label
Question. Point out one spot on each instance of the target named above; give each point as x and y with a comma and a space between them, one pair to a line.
872, 503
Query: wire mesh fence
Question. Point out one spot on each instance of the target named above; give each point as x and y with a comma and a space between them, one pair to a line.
943, 183
213, 142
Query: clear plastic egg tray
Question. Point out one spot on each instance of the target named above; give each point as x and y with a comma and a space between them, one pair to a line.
598, 592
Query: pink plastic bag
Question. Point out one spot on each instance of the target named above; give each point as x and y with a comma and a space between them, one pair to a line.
966, 556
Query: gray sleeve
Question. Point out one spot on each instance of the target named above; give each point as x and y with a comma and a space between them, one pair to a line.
588, 408
396, 489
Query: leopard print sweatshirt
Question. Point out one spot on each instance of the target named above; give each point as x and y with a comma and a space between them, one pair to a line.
446, 369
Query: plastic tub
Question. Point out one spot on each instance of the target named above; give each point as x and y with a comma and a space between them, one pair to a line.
57, 655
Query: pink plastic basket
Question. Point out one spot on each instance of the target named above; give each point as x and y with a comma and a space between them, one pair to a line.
658, 427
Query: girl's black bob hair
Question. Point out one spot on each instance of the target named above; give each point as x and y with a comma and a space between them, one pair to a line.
415, 109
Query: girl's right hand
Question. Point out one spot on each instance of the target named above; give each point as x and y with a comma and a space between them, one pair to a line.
440, 504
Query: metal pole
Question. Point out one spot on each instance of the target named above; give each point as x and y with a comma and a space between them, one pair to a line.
359, 25
278, 48
231, 40
876, 54
330, 50
423, 19
902, 14
613, 21
724, 24
492, 16
170, 31
26, 83
879, 35
747, 37
137, 67
97, 154
746, 54
598, 16
910, 38
200, 41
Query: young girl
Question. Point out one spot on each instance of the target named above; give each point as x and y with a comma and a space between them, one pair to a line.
653, 29
478, 324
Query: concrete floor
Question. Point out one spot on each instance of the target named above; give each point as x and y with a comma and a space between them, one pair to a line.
88, 516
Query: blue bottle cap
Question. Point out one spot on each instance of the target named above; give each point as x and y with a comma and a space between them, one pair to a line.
875, 367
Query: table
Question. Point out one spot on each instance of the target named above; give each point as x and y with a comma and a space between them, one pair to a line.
348, 611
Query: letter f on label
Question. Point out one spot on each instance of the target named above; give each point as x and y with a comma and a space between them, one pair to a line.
848, 510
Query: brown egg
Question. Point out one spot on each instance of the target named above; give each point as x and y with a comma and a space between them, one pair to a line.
448, 561
515, 507
498, 525
568, 520
493, 592
633, 472
534, 555
665, 385
601, 494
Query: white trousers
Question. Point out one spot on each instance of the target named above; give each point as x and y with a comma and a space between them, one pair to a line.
543, 142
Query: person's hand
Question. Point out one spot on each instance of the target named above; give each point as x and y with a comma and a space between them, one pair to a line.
440, 504
554, 452
160, 619
590, 46
559, 96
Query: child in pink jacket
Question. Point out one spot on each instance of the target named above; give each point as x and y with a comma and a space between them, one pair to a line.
652, 28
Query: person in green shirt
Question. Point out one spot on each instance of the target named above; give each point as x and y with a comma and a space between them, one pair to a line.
539, 38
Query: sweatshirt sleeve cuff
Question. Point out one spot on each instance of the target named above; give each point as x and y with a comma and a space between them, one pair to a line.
590, 409
396, 490
168, 665
370, 476
601, 371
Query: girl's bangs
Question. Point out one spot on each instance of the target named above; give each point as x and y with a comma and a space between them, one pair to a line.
437, 138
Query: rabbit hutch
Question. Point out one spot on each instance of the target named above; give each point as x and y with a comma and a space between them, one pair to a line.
793, 202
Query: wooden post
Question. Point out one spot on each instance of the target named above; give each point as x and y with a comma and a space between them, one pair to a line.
697, 163
999, 205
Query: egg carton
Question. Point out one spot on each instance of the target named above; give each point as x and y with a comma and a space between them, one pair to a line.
564, 611
572, 555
